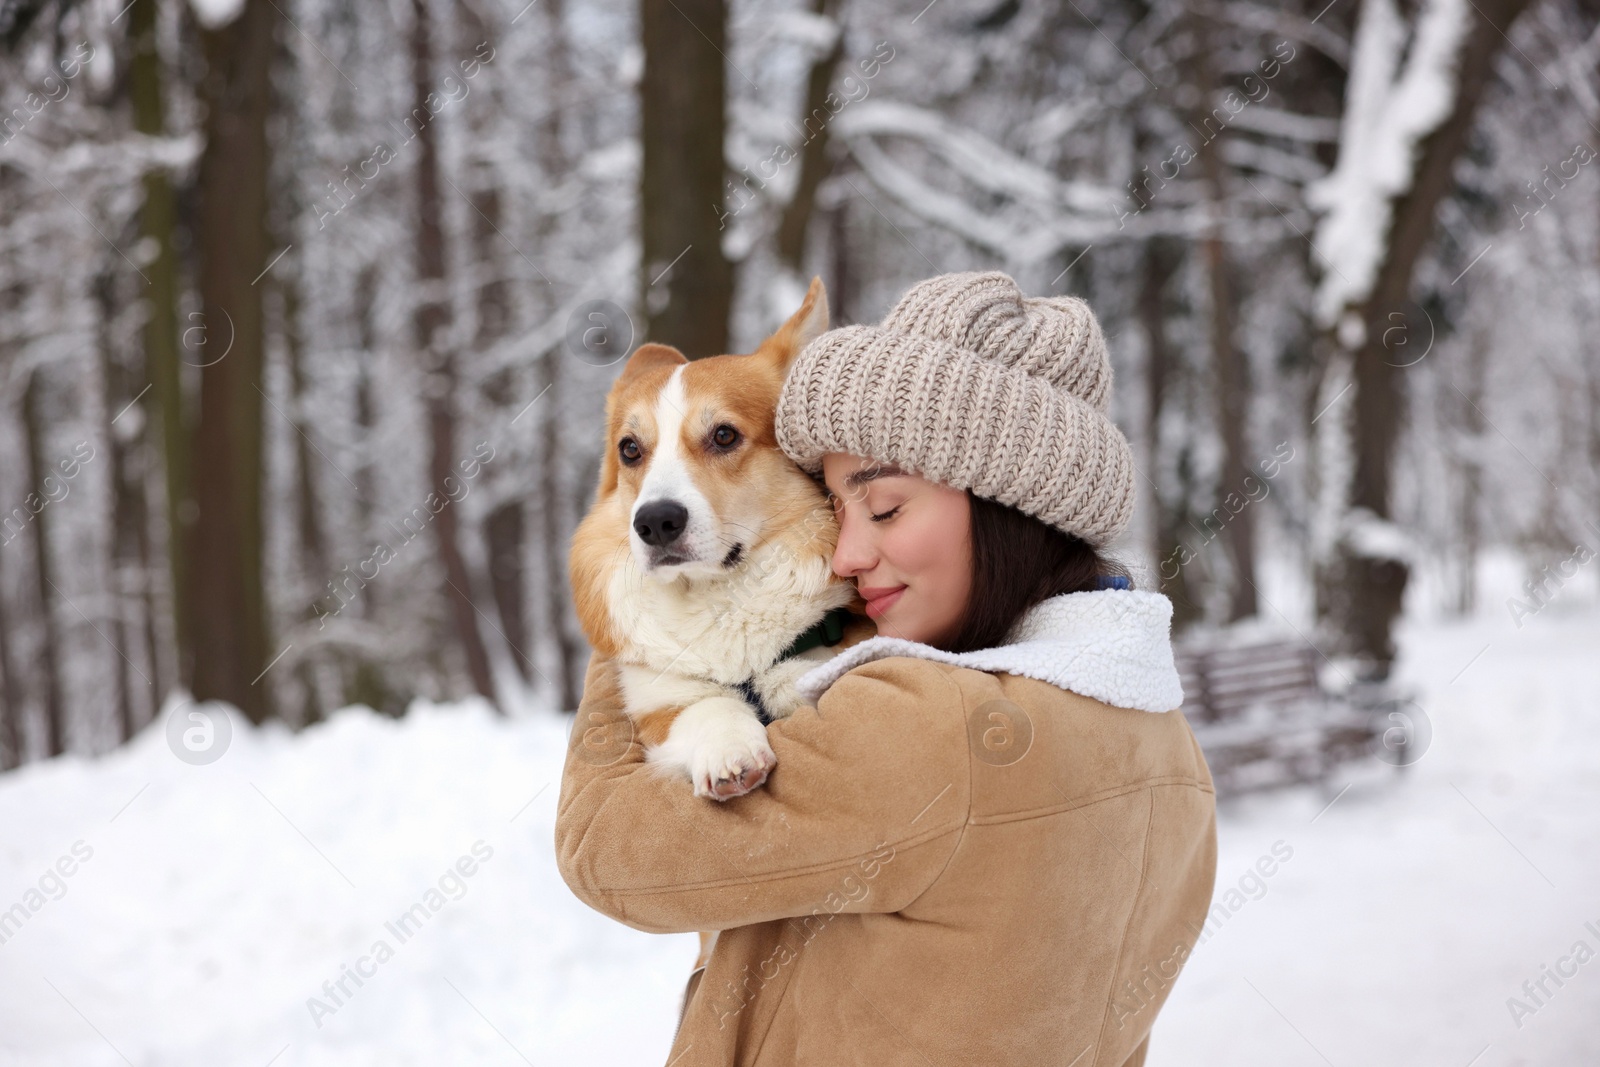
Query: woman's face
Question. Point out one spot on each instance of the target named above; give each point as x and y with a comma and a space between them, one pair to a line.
907, 543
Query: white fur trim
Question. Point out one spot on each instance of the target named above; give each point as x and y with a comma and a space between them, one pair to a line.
1113, 645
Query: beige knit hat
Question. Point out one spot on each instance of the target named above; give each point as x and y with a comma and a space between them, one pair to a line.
973, 385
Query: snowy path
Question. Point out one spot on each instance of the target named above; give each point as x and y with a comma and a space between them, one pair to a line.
216, 901
1417, 904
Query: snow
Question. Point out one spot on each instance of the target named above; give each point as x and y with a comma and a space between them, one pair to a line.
215, 14
972, 155
1421, 900
217, 900
1371, 536
817, 32
1052, 212
1388, 111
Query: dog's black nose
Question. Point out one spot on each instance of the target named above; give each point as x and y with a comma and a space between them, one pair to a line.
660, 522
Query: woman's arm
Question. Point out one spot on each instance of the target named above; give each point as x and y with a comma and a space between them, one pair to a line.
862, 812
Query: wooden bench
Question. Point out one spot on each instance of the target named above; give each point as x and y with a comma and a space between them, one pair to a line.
1264, 720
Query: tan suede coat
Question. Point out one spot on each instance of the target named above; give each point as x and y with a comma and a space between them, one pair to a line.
946, 867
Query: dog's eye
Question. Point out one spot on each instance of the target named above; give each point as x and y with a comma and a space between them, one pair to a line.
724, 436
630, 451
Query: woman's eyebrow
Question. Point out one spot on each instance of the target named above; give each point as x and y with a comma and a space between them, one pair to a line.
855, 479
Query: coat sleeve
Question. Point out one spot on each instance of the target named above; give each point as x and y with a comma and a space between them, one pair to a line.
862, 812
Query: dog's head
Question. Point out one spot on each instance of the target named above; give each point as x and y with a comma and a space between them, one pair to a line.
691, 457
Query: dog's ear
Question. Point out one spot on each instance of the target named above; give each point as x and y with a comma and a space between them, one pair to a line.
803, 327
648, 357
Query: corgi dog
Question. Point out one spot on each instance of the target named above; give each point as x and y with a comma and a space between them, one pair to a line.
704, 566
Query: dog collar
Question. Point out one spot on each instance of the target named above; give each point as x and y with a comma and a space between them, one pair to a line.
829, 630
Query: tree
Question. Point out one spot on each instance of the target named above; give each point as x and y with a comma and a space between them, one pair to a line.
227, 598
685, 281
169, 429
814, 155
435, 347
1365, 298
55, 710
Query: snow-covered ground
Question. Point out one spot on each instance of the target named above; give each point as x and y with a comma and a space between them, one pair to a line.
207, 906
217, 900
1419, 903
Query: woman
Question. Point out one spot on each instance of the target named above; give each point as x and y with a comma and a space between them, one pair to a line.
993, 839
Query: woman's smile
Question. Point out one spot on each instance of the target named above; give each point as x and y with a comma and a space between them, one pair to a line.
879, 599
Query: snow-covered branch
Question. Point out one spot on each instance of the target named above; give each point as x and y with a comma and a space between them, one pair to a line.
1389, 110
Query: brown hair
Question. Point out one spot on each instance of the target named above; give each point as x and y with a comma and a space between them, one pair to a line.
1018, 561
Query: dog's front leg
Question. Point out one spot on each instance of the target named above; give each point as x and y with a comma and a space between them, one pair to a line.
721, 743
698, 728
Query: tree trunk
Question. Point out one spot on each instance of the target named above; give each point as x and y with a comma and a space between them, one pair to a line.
504, 530
430, 324
554, 513
49, 639
310, 536
1229, 366
365, 414
1161, 260
494, 289
841, 301
685, 281
365, 680
11, 689
814, 162
169, 426
1376, 586
1231, 381
127, 505
554, 530
229, 603
506, 540
1471, 464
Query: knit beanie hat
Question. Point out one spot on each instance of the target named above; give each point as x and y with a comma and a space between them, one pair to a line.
972, 385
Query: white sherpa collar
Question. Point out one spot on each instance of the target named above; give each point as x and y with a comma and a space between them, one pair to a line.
1113, 645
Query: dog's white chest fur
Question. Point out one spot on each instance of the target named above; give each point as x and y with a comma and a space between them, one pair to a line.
723, 631
687, 647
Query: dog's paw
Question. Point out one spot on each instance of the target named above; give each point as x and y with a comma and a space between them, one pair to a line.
737, 783
722, 745
733, 766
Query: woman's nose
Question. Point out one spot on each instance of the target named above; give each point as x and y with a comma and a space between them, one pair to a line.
854, 553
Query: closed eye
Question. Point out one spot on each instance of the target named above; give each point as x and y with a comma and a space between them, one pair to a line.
887, 514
